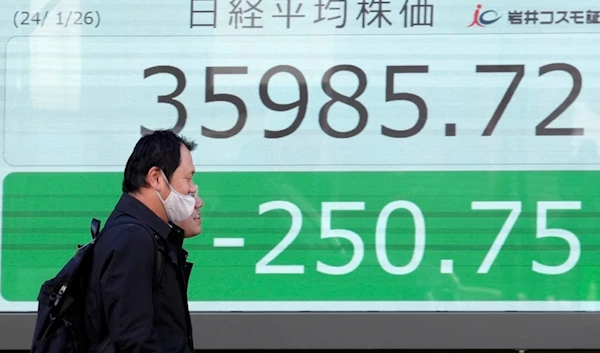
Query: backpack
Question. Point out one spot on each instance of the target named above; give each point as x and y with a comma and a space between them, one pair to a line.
60, 326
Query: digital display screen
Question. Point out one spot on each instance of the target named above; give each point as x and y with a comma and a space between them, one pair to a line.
399, 155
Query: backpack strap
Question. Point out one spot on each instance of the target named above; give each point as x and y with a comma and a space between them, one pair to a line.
95, 227
159, 260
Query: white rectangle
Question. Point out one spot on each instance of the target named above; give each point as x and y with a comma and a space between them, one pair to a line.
228, 243
447, 266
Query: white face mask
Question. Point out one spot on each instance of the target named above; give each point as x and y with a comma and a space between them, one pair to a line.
177, 205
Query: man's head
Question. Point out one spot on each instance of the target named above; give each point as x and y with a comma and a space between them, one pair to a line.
159, 173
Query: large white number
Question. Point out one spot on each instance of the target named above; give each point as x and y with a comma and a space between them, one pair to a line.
380, 237
327, 232
263, 265
569, 237
515, 210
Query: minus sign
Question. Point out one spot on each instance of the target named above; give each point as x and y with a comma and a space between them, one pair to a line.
228, 242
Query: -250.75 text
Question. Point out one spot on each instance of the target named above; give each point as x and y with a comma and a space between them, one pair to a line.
264, 266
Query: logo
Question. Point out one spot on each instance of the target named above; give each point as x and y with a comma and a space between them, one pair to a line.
482, 19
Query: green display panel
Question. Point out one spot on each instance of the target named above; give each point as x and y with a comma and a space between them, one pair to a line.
310, 241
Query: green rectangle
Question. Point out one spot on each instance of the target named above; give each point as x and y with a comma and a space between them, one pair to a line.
45, 215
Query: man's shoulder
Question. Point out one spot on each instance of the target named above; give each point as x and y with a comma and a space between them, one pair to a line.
116, 223
124, 231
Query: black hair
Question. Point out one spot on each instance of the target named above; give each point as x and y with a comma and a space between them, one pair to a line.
158, 149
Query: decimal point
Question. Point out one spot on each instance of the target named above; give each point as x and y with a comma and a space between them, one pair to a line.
450, 129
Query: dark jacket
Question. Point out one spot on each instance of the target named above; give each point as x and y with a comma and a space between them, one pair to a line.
122, 299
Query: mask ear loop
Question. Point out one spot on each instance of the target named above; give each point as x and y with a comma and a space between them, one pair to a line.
165, 179
168, 184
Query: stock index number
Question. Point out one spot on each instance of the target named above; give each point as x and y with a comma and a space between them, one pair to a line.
335, 97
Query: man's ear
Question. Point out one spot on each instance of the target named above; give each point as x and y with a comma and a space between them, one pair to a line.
154, 178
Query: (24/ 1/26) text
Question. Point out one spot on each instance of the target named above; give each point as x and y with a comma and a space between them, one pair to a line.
57, 18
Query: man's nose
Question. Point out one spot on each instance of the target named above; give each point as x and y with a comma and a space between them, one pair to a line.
199, 201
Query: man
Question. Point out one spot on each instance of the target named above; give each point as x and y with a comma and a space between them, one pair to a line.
137, 296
